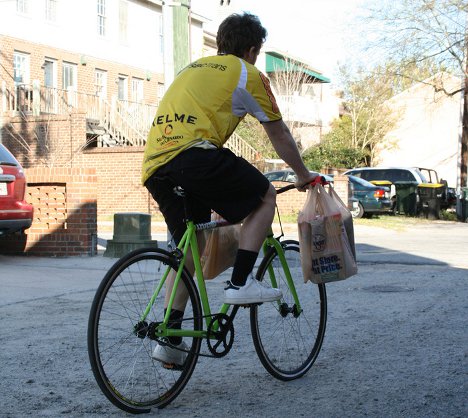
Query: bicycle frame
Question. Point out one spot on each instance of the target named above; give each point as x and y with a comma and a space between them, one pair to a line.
189, 241
271, 241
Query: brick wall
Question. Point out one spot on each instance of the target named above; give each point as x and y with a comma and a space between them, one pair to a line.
46, 140
291, 201
119, 180
65, 214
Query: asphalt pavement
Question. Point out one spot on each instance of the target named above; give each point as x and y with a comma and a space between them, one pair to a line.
396, 342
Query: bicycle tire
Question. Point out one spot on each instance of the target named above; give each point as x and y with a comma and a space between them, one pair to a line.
288, 346
120, 360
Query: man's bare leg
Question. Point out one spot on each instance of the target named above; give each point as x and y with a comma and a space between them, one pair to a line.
253, 232
256, 226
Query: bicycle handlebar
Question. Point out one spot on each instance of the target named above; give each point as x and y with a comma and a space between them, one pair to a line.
318, 180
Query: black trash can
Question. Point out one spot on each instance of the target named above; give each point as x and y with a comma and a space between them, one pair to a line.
430, 196
462, 205
406, 197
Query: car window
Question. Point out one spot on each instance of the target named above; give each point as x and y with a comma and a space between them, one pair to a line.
354, 173
371, 175
360, 181
6, 157
401, 175
392, 175
291, 177
275, 176
423, 178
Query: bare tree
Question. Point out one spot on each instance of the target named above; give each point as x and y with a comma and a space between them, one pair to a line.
39, 145
295, 90
429, 32
366, 95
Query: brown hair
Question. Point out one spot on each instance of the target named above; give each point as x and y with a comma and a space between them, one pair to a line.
240, 32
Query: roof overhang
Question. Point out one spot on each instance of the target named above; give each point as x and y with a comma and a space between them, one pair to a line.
276, 62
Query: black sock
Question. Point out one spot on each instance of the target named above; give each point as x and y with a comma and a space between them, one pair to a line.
175, 322
244, 264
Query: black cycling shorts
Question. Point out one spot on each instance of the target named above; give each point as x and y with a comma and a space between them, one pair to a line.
213, 179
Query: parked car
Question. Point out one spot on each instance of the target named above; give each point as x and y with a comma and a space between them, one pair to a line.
395, 175
372, 199
15, 213
287, 175
366, 198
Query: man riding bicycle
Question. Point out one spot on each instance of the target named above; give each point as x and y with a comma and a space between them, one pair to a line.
197, 115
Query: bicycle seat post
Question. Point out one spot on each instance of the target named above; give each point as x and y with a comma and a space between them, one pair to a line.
179, 191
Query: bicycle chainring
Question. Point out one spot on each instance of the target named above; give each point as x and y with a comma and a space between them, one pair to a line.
220, 342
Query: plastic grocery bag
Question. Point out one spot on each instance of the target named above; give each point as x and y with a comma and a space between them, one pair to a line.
326, 254
347, 219
220, 249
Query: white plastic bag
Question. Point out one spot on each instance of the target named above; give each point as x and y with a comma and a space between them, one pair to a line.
326, 254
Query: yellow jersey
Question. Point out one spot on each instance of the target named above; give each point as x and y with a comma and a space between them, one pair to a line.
206, 102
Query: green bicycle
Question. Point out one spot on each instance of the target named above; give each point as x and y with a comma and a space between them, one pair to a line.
128, 319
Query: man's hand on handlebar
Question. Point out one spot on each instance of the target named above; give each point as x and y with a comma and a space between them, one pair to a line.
302, 183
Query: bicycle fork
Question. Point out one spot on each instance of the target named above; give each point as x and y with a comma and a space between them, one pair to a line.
284, 308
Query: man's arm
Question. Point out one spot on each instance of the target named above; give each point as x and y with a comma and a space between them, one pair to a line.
286, 148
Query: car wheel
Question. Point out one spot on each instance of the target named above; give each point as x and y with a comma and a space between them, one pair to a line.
357, 211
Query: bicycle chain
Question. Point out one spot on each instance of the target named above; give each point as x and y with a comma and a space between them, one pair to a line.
164, 341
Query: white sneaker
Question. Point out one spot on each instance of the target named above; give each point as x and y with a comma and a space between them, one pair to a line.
170, 355
252, 292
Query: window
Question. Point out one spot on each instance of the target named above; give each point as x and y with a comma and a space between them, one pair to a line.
100, 83
122, 85
22, 6
51, 10
69, 76
49, 73
123, 19
49, 95
137, 89
101, 17
21, 68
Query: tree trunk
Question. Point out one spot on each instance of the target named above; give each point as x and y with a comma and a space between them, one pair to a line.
464, 138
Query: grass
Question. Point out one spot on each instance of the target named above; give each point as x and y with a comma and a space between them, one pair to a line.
394, 222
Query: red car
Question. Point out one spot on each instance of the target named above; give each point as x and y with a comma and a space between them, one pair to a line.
15, 213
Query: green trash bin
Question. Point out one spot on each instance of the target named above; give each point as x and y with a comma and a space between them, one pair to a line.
462, 205
430, 196
406, 197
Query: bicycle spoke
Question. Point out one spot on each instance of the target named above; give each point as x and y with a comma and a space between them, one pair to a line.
121, 360
288, 346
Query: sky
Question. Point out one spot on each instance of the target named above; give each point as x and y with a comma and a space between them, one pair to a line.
317, 31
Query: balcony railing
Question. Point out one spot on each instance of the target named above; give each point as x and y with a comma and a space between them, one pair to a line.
128, 122
125, 123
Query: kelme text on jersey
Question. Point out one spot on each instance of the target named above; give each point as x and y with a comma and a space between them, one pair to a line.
162, 119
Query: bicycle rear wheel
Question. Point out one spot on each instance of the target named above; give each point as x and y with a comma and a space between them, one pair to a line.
121, 361
288, 344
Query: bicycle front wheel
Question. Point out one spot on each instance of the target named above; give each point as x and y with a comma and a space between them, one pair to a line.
120, 359
287, 340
